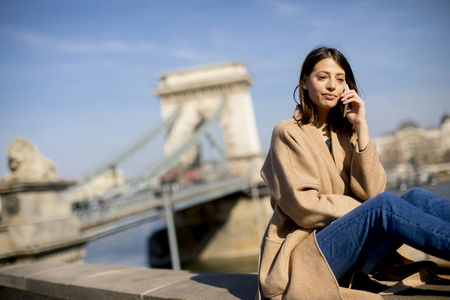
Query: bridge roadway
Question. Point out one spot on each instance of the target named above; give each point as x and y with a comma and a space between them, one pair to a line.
120, 213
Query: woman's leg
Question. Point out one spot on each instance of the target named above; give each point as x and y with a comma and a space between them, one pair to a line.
382, 223
429, 203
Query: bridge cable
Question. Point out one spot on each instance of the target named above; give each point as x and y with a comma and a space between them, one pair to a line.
128, 152
215, 144
142, 181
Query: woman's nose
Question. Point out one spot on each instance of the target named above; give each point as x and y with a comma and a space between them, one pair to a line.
331, 86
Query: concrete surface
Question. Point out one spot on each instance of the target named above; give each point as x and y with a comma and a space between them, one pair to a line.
79, 281
39, 281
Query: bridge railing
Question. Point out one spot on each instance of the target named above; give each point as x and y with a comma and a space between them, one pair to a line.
106, 211
109, 210
209, 191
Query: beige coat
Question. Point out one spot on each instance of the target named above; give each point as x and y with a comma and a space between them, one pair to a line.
309, 189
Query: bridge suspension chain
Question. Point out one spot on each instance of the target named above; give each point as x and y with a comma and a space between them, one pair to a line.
142, 181
215, 145
128, 152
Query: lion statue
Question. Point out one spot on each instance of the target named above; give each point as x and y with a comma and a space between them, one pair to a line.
27, 164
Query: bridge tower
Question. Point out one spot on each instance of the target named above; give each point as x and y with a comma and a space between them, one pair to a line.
199, 91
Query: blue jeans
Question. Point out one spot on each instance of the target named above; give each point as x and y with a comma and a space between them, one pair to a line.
368, 235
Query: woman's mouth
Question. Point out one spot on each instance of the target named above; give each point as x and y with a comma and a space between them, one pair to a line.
329, 96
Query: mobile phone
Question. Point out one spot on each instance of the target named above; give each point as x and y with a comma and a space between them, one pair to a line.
346, 105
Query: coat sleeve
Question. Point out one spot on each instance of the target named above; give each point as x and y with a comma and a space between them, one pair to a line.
294, 180
367, 175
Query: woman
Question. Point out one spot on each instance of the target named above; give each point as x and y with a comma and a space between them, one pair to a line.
321, 169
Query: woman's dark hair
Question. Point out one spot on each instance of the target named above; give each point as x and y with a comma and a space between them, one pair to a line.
307, 112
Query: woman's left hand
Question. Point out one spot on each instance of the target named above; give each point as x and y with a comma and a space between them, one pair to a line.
357, 113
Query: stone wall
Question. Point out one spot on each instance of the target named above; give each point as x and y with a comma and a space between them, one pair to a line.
78, 281
44, 281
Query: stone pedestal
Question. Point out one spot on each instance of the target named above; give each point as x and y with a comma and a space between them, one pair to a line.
37, 223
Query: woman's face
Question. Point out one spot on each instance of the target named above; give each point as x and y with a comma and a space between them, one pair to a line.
325, 84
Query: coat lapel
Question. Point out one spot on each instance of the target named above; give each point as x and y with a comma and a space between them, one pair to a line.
338, 152
337, 157
317, 139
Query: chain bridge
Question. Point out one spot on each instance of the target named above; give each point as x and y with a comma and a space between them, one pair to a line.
105, 213
192, 102
213, 208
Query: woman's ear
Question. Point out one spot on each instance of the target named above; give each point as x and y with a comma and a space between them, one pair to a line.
304, 86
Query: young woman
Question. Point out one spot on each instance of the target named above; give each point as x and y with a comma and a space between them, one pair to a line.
331, 215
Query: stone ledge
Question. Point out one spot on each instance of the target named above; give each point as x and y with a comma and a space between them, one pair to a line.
82, 281
49, 281
14, 187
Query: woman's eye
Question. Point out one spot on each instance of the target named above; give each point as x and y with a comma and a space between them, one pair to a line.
341, 79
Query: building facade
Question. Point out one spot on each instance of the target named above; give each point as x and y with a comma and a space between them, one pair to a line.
413, 151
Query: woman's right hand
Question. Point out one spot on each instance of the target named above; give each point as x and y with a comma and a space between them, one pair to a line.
357, 116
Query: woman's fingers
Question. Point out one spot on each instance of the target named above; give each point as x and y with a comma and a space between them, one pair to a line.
356, 113
350, 96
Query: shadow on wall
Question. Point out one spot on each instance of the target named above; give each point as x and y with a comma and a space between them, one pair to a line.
242, 286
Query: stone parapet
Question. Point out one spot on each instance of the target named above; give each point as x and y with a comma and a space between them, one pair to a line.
39, 281
81, 281
37, 223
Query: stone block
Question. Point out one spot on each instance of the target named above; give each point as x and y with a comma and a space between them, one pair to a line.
205, 285
16, 276
78, 281
127, 283
35, 215
41, 231
25, 205
63, 283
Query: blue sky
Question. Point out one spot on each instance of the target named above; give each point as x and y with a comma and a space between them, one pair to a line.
76, 76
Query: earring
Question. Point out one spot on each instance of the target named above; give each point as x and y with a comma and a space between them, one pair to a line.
293, 95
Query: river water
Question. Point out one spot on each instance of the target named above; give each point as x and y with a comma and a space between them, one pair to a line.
130, 247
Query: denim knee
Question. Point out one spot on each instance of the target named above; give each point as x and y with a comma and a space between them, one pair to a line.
385, 201
416, 193
385, 198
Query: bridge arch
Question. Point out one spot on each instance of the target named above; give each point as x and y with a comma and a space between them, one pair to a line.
198, 92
